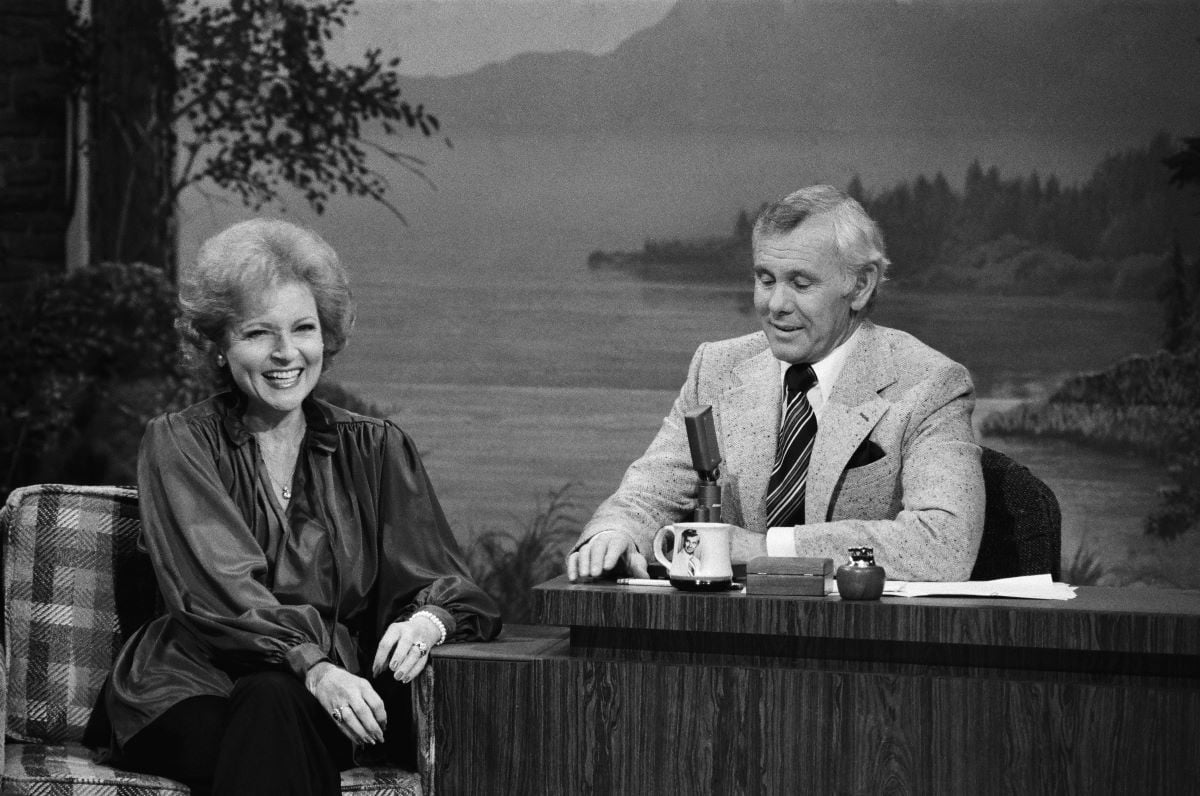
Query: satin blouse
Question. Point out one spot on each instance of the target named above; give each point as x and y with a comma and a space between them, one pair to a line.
249, 585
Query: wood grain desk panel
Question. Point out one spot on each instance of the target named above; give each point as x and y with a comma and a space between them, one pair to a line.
1141, 621
728, 707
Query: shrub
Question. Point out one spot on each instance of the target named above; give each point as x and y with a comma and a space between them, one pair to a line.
1085, 567
89, 356
1161, 379
507, 565
1180, 511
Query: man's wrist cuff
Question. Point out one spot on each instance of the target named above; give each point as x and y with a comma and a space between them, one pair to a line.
781, 541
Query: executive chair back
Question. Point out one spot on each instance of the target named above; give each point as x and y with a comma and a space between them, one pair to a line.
1022, 529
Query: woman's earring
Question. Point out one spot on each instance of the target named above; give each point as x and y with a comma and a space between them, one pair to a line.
220, 360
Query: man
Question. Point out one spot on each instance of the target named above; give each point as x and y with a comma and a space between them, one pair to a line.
879, 452
690, 559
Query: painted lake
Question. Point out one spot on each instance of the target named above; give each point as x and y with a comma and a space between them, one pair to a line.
518, 370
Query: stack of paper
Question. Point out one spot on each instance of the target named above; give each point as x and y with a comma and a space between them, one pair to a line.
1029, 587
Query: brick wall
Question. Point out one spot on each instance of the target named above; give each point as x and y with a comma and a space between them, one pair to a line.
33, 148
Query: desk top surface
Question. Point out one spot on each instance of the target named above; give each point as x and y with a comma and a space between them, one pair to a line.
1098, 619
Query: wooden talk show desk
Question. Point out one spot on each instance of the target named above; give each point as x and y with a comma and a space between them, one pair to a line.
631, 690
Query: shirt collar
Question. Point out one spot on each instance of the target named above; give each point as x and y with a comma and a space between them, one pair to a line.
318, 415
829, 368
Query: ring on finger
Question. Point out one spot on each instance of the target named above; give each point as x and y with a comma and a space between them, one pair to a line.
337, 714
421, 647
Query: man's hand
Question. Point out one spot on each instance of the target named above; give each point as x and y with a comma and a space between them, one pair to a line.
745, 546
602, 552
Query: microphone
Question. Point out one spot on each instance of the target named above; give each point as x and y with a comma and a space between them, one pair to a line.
706, 460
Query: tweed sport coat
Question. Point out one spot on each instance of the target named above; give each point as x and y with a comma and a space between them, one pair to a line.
895, 465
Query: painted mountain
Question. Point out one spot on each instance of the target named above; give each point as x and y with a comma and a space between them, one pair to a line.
777, 65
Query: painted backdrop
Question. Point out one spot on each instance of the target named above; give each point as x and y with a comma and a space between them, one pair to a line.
498, 331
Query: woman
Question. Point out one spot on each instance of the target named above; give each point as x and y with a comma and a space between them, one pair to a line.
304, 561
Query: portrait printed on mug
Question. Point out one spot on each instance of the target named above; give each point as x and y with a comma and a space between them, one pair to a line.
687, 563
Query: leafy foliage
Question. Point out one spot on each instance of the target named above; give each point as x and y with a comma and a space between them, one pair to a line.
1160, 379
260, 104
507, 565
1086, 567
89, 357
1180, 296
1181, 509
1185, 164
257, 105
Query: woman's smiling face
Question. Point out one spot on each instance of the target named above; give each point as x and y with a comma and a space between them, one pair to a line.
275, 353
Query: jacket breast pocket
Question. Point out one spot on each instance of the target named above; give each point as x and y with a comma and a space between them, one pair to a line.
869, 492
867, 453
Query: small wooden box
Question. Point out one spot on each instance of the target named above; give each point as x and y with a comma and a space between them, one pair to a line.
798, 577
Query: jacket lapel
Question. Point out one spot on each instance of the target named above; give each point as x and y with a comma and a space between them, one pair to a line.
853, 409
750, 424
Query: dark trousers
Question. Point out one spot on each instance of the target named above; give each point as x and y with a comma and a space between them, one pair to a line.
269, 736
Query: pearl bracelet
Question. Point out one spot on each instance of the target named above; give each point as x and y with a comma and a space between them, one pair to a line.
432, 617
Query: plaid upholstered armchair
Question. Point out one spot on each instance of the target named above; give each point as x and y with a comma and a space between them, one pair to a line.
75, 586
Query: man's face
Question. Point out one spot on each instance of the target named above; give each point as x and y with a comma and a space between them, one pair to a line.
802, 293
690, 544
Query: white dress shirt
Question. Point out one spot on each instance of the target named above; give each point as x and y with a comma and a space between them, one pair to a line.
781, 541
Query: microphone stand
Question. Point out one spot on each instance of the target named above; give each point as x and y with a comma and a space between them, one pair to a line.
706, 460
708, 496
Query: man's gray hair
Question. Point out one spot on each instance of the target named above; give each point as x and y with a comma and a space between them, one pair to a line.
856, 237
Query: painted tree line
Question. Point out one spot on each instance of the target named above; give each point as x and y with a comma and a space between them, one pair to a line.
1127, 207
1113, 235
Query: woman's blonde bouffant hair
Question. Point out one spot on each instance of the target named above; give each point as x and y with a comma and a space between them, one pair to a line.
235, 267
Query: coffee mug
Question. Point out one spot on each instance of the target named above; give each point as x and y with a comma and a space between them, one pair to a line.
699, 555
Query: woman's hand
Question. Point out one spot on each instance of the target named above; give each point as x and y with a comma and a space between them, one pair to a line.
405, 648
350, 700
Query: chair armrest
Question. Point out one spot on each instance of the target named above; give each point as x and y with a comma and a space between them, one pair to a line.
3, 704
5, 519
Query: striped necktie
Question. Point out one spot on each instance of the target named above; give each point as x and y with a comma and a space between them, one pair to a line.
797, 430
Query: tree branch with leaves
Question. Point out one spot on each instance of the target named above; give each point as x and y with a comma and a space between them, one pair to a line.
256, 104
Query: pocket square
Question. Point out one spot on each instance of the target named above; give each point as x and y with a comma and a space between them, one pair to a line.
867, 453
